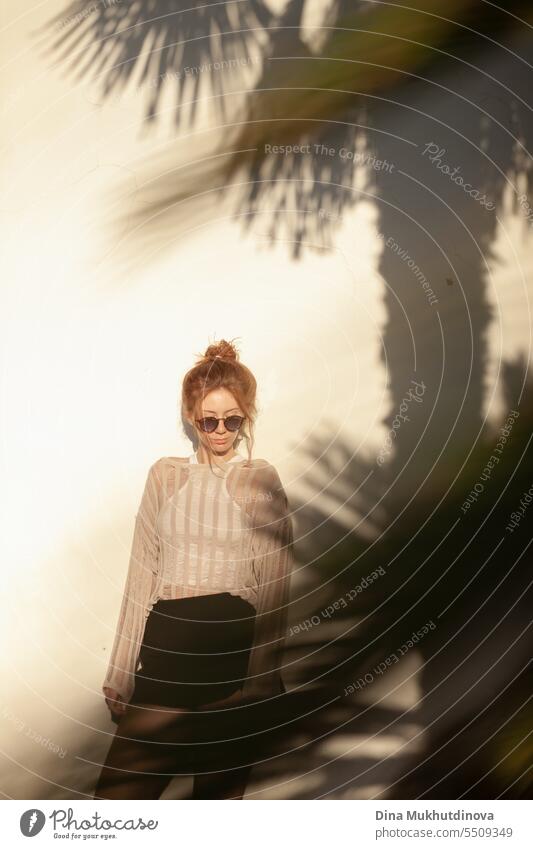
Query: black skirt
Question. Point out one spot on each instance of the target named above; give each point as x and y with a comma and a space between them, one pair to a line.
194, 651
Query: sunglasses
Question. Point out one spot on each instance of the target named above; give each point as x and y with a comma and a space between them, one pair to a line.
210, 423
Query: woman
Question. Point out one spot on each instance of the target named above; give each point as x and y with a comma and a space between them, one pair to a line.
202, 622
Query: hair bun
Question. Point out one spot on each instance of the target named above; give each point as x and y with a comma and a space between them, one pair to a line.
223, 350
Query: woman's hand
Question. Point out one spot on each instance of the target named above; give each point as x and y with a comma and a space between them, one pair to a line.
115, 703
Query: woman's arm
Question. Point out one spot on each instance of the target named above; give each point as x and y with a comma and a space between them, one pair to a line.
272, 550
140, 584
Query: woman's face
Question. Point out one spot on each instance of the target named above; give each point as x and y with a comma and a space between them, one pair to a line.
221, 404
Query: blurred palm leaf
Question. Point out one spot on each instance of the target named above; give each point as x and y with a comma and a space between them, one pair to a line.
152, 42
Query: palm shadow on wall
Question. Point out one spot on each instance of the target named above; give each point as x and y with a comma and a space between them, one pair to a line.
460, 569
394, 102
156, 44
391, 99
431, 562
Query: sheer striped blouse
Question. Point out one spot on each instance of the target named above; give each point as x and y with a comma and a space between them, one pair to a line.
199, 531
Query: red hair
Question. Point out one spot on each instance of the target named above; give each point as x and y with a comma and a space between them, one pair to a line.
220, 367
